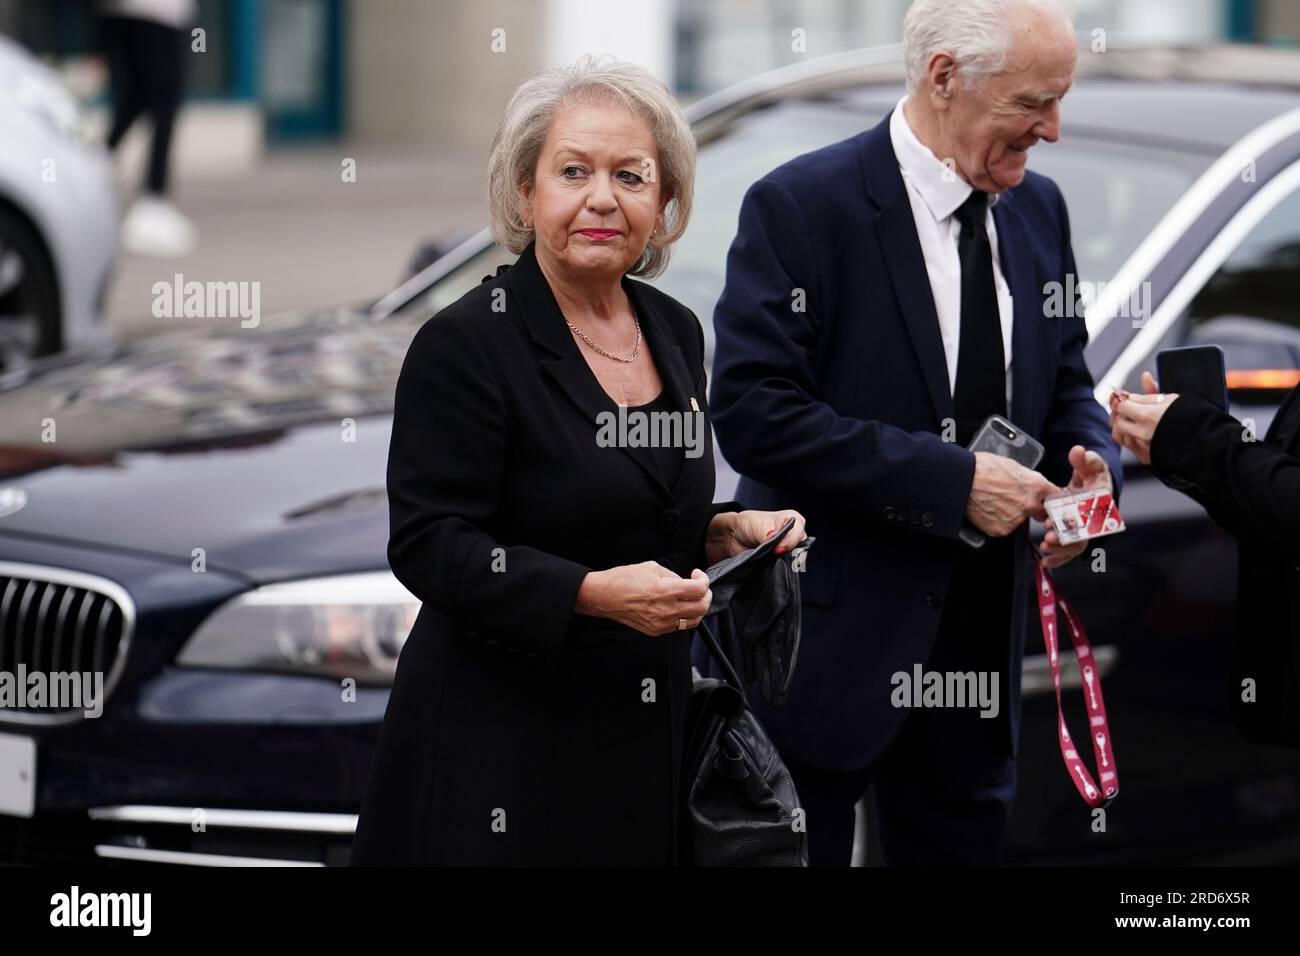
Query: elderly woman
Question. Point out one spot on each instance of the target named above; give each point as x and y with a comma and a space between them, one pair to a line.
537, 713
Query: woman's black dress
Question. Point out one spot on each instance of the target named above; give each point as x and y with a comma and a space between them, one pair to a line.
518, 732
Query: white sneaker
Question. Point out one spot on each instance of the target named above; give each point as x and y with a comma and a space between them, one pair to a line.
154, 227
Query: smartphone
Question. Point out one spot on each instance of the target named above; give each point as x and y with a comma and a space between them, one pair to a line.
1194, 370
1001, 437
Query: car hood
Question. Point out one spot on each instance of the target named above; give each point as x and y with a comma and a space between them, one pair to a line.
265, 447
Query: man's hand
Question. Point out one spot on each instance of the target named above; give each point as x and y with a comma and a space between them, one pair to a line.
1090, 471
1004, 494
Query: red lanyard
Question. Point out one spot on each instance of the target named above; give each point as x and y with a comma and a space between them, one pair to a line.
1048, 601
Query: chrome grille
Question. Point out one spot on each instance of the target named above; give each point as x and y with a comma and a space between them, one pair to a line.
58, 621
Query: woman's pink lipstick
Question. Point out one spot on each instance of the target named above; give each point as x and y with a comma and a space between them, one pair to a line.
599, 233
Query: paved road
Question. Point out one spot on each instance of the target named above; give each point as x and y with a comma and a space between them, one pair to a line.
309, 238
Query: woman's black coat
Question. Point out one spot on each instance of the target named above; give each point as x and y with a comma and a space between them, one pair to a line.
1250, 488
516, 730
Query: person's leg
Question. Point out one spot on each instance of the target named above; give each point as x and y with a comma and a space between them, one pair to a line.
828, 799
153, 225
166, 81
944, 790
124, 66
945, 798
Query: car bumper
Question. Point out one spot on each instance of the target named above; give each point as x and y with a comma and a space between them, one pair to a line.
172, 835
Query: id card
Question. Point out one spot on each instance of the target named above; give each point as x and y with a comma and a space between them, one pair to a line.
1083, 515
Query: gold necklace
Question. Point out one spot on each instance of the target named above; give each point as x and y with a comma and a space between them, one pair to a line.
635, 350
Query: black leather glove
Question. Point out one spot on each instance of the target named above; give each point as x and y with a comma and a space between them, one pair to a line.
761, 590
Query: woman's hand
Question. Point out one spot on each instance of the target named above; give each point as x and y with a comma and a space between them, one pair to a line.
735, 531
646, 597
1134, 418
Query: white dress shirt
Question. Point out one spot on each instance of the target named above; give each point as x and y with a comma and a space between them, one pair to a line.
935, 193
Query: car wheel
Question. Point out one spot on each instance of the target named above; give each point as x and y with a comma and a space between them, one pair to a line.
29, 294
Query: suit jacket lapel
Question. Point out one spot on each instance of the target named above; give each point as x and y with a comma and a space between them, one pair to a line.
1026, 323
566, 364
896, 232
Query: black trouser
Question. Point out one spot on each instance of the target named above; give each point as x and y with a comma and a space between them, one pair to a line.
944, 786
148, 64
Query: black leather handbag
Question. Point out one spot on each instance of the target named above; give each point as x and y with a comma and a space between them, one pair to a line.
739, 801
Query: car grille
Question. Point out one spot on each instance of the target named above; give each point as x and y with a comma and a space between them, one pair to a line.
54, 621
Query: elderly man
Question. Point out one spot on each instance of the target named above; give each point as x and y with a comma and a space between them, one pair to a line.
884, 296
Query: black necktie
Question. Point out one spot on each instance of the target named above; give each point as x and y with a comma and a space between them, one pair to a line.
981, 386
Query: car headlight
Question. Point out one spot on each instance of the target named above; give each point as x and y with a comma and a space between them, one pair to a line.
347, 625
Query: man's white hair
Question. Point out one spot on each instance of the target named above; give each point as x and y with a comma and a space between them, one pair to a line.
976, 32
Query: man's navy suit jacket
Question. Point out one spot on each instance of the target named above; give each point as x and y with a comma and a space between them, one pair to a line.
830, 394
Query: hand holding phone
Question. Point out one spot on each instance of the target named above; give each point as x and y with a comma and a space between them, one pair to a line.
1006, 490
1004, 494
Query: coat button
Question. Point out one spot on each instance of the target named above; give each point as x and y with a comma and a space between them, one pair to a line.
493, 642
934, 601
889, 512
914, 517
669, 519
927, 520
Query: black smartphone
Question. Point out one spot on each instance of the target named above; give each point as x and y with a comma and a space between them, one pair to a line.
1001, 437
1194, 370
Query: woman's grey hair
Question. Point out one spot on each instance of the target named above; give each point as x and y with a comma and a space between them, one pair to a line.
975, 32
517, 144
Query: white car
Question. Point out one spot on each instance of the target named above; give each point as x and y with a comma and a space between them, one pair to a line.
58, 215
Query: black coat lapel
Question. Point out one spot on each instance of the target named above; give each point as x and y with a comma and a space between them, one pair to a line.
673, 370
565, 363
